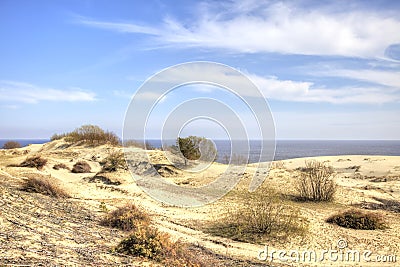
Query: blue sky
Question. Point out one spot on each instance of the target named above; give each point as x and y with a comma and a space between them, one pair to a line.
327, 70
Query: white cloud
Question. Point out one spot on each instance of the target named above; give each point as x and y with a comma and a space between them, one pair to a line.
272, 87
296, 91
368, 125
150, 96
257, 26
381, 77
123, 94
29, 93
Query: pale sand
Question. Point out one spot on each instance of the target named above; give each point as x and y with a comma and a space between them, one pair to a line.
71, 240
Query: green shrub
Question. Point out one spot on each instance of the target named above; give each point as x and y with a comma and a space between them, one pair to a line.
316, 182
34, 162
194, 147
357, 219
262, 215
114, 161
126, 218
81, 167
44, 186
11, 145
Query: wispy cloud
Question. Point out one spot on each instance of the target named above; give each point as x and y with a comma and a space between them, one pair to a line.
273, 87
297, 91
150, 96
122, 94
12, 107
120, 27
281, 27
13, 91
381, 77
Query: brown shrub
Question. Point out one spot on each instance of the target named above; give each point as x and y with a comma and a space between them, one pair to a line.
316, 182
357, 219
81, 167
149, 243
43, 186
114, 161
34, 162
91, 135
60, 166
58, 136
11, 145
126, 218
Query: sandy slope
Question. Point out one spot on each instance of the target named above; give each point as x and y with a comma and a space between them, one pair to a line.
67, 231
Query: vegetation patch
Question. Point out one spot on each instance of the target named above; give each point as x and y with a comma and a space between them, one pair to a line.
89, 134
81, 167
114, 161
11, 145
357, 219
101, 179
384, 204
148, 242
261, 216
44, 186
278, 165
60, 166
196, 148
126, 218
34, 162
316, 182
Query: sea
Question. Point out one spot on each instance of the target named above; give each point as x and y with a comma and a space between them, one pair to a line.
24, 142
287, 149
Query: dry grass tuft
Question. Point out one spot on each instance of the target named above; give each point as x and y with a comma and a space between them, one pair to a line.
262, 215
278, 165
44, 186
357, 219
126, 218
34, 162
81, 167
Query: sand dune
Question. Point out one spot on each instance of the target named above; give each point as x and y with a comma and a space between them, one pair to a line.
40, 229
